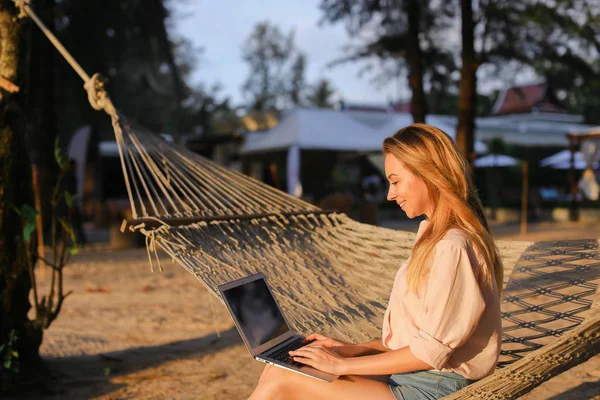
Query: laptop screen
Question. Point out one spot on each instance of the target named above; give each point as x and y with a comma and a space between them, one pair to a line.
257, 313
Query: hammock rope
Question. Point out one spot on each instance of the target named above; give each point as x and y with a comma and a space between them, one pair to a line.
332, 274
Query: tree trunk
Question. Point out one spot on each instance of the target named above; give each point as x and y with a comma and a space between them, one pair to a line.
415, 61
15, 189
40, 101
465, 132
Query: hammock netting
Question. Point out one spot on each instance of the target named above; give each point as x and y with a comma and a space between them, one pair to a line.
332, 274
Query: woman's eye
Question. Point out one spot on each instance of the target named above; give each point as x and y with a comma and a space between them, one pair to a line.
393, 183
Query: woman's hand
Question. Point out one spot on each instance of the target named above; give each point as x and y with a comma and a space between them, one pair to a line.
321, 358
342, 348
319, 340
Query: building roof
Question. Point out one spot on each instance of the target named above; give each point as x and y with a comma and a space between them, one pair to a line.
362, 107
399, 107
402, 107
315, 129
259, 121
536, 97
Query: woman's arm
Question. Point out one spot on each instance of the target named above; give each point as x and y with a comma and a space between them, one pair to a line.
362, 349
386, 363
346, 349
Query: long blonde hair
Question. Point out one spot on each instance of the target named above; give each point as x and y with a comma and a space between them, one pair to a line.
432, 155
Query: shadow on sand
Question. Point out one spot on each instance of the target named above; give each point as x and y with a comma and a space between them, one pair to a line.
98, 370
586, 390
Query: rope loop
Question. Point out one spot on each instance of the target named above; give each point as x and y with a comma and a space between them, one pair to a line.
20, 4
97, 95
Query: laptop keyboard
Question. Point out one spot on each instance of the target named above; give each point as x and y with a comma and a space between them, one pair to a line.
282, 355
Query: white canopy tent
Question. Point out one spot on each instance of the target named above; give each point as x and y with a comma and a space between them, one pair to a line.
320, 129
315, 129
312, 129
398, 121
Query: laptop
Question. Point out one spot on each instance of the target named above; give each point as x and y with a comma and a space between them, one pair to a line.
263, 327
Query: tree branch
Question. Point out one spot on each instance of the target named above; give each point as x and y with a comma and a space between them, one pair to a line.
8, 85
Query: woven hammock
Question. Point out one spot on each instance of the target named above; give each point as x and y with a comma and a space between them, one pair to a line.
330, 273
334, 275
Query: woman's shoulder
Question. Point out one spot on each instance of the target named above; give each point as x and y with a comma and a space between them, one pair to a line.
455, 237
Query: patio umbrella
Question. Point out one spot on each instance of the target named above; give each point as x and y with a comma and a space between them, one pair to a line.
562, 160
502, 160
496, 160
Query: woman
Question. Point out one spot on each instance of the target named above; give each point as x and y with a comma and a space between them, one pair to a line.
442, 327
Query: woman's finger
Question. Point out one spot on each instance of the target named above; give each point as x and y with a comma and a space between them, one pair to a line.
305, 350
304, 360
316, 336
308, 348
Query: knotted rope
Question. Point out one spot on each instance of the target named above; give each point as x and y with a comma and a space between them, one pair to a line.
20, 4
155, 236
320, 263
97, 95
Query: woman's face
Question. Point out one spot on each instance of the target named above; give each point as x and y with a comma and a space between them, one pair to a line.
407, 189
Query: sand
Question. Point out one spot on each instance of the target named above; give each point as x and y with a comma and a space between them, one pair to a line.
129, 333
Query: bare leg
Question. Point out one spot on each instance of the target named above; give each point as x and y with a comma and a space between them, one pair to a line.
277, 383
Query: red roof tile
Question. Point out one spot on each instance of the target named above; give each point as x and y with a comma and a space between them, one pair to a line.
405, 107
525, 99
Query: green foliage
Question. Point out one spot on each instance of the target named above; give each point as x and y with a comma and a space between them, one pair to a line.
560, 41
70, 199
64, 243
297, 86
28, 217
320, 97
9, 355
62, 162
147, 67
577, 91
448, 104
386, 54
498, 146
276, 76
67, 228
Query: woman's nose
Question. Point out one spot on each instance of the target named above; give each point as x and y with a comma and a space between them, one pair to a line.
391, 194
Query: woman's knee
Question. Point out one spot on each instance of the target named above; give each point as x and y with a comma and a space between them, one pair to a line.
274, 383
264, 373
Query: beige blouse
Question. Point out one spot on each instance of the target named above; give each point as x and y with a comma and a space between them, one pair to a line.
454, 323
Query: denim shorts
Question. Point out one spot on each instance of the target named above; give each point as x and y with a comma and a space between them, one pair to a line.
426, 385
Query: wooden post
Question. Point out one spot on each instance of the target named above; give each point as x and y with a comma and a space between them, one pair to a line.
38, 218
524, 197
274, 175
573, 211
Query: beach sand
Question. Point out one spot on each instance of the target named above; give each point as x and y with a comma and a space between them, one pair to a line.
129, 333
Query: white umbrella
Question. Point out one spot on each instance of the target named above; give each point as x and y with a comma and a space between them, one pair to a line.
502, 160
496, 160
562, 160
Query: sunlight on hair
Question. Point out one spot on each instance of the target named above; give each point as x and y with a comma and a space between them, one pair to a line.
432, 155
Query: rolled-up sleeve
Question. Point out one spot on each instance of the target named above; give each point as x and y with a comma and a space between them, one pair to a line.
452, 306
